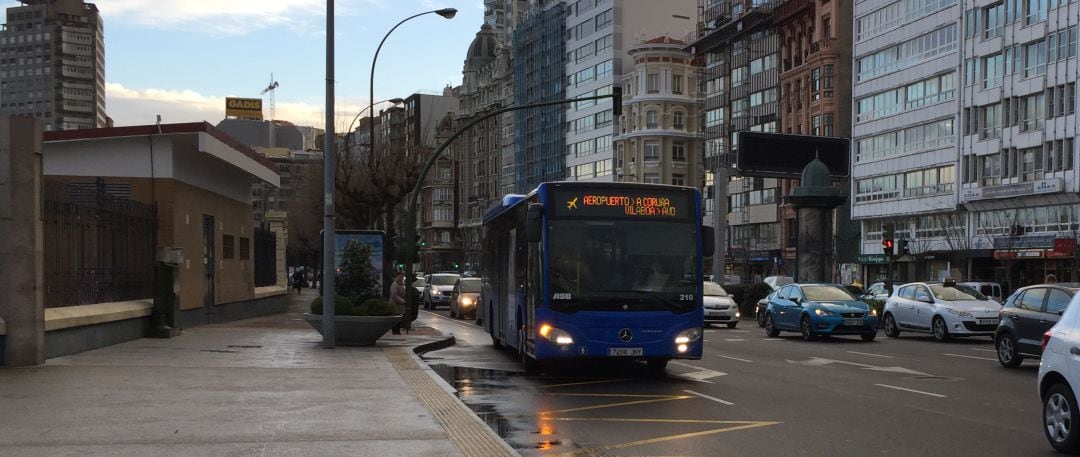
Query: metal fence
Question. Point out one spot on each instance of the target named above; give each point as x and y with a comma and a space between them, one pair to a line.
265, 257
99, 246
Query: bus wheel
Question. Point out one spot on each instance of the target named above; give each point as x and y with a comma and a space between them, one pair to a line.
530, 364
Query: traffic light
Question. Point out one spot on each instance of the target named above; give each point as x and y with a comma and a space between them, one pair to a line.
905, 249
887, 239
420, 242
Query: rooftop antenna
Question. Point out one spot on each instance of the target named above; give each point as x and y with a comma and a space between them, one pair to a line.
270, 88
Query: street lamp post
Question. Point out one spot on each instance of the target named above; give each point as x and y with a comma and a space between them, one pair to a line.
447, 13
328, 189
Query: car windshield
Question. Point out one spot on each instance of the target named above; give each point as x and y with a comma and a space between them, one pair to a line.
421, 282
955, 293
444, 280
712, 289
600, 265
826, 293
469, 285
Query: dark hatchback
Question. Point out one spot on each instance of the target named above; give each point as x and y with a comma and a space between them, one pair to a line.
1027, 314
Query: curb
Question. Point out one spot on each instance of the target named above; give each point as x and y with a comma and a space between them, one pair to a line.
470, 434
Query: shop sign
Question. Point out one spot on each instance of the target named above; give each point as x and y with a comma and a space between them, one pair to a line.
1020, 254
1052, 254
872, 259
1024, 242
1045, 186
1065, 246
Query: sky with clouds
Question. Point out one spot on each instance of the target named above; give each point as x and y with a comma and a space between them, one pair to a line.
181, 58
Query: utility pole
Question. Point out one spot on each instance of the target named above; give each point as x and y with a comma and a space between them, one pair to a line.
329, 164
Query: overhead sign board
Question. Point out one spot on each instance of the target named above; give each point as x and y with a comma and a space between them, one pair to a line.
244, 108
784, 156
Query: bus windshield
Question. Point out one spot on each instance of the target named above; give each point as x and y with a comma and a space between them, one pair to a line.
639, 266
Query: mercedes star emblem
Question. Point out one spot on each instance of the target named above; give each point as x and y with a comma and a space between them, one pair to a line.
625, 335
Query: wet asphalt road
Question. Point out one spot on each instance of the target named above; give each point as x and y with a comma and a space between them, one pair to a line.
756, 396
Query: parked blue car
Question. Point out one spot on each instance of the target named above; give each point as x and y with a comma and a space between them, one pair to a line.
819, 309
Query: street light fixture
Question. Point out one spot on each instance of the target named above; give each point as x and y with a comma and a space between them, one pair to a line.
447, 13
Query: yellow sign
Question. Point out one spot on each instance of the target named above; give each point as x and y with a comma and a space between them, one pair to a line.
245, 108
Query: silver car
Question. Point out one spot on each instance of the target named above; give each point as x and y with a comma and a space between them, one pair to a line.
719, 306
942, 309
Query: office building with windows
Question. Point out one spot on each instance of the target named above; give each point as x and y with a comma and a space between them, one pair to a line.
657, 132
539, 62
52, 64
598, 35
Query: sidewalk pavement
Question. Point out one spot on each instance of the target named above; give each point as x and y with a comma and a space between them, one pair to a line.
258, 387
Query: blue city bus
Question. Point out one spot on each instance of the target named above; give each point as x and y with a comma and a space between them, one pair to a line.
595, 270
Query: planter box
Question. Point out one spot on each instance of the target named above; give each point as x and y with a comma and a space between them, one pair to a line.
356, 330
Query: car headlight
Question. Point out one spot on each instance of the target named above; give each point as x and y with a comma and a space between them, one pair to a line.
822, 312
466, 301
873, 312
555, 335
688, 335
956, 312
435, 292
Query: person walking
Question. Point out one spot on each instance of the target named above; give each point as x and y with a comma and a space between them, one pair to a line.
397, 298
298, 280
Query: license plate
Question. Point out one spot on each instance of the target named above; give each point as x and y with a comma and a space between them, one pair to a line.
624, 352
858, 322
989, 321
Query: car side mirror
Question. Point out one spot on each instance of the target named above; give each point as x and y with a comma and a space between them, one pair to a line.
925, 299
796, 300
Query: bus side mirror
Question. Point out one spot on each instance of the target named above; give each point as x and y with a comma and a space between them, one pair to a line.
708, 240
534, 223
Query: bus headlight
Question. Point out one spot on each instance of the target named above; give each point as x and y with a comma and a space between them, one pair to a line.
560, 337
688, 335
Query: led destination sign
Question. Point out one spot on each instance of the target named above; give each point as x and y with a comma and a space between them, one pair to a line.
631, 203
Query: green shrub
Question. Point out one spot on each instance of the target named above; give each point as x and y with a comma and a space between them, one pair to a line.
342, 306
747, 296
376, 306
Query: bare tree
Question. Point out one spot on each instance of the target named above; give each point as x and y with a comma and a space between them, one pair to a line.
305, 215
958, 240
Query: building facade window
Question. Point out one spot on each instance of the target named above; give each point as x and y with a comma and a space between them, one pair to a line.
678, 120
652, 151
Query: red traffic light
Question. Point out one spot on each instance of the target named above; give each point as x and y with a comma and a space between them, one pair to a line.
887, 244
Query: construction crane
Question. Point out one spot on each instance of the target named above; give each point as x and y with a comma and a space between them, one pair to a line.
270, 88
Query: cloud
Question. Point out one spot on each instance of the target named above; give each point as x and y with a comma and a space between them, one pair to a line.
128, 106
231, 17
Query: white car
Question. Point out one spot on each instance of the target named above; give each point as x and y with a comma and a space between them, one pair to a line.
941, 309
1059, 371
719, 306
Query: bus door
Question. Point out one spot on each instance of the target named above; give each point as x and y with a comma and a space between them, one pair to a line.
506, 315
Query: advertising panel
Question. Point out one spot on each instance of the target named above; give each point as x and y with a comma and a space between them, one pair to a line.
244, 108
374, 238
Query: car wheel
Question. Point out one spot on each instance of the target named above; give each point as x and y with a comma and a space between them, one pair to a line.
1059, 416
760, 318
891, 329
869, 336
732, 324
454, 314
1006, 351
770, 327
807, 329
940, 330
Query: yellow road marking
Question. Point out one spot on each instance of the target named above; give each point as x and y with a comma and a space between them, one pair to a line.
661, 439
582, 383
613, 405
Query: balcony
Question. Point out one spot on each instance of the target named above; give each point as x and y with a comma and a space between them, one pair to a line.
790, 9
827, 43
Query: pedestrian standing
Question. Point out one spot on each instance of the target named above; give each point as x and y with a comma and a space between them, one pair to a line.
298, 280
397, 298
1050, 278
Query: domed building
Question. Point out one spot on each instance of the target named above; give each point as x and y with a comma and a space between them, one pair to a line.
656, 140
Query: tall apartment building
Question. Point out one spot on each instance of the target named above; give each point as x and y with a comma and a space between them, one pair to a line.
539, 62
657, 132
504, 16
52, 64
598, 35
906, 114
1018, 179
415, 131
741, 85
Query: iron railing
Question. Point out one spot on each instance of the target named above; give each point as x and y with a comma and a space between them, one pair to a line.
99, 247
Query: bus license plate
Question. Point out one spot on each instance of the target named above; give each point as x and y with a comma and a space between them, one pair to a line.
624, 352
854, 322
